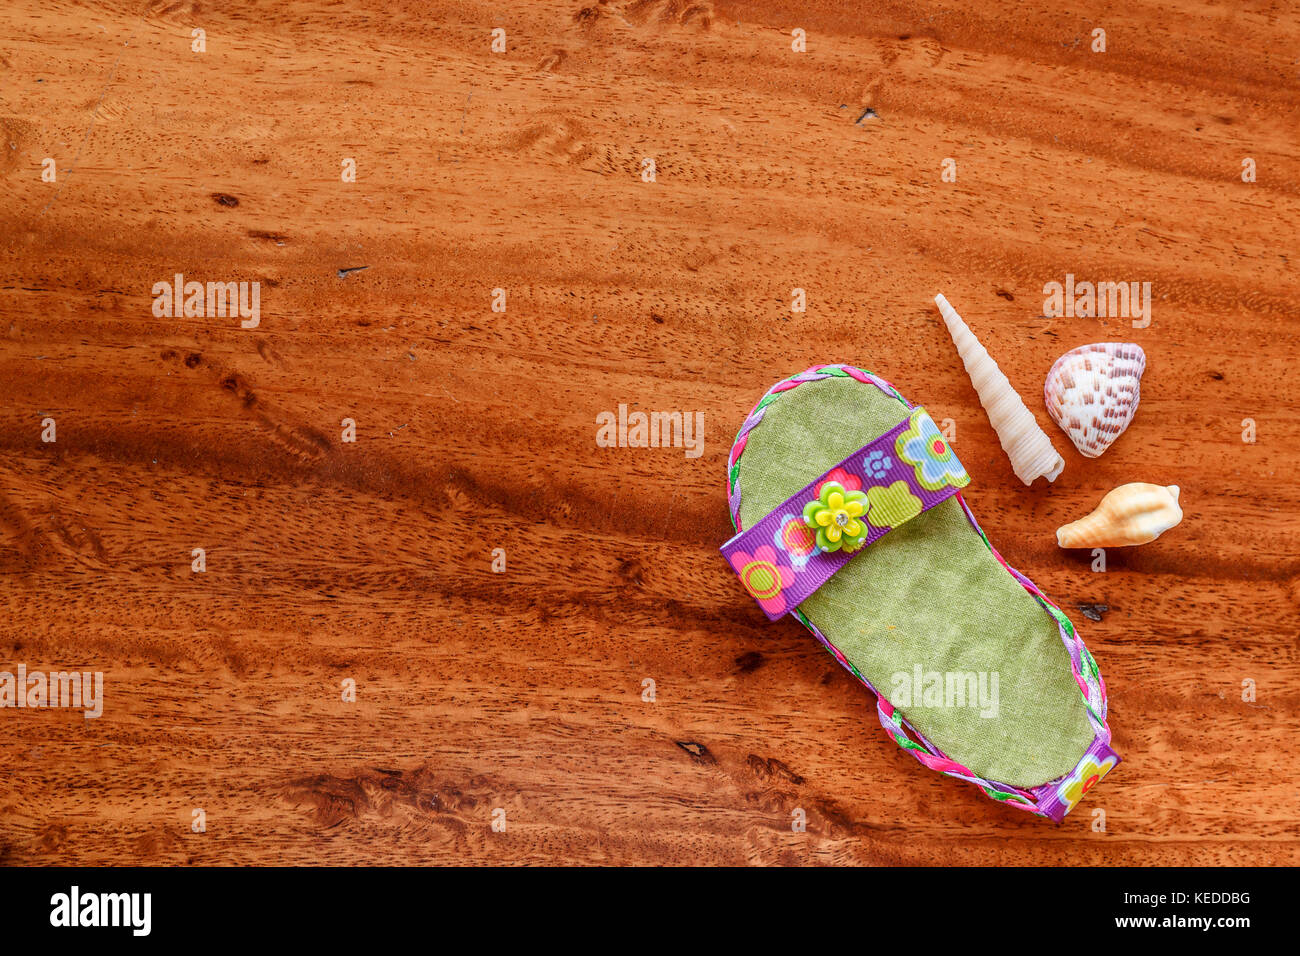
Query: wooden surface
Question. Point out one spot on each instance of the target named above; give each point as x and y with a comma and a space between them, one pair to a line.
372, 560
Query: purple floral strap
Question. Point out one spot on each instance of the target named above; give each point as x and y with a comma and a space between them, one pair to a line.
1059, 797
796, 548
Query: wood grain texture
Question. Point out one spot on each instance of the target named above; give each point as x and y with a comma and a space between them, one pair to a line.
371, 560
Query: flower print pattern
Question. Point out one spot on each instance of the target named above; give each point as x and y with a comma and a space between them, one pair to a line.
796, 539
791, 551
848, 481
923, 447
836, 516
877, 464
1086, 776
764, 577
889, 507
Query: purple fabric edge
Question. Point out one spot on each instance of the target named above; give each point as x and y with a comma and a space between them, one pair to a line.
1048, 797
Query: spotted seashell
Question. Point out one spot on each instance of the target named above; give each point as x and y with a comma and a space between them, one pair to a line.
1092, 393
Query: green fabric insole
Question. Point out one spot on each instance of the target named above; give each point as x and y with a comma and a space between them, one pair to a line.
929, 593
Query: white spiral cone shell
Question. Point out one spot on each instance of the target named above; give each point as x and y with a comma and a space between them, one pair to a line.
1030, 450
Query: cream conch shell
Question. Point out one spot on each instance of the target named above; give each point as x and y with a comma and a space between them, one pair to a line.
1093, 391
1130, 514
1027, 445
